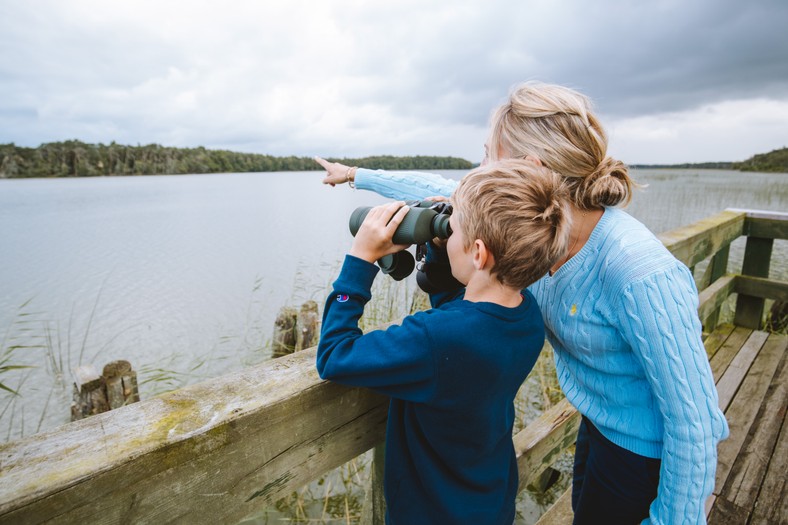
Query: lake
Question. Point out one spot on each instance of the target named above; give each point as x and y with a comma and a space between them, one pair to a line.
184, 275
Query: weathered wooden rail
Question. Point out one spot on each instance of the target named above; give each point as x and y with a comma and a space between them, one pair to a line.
220, 450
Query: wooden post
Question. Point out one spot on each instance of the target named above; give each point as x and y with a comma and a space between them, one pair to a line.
757, 258
121, 383
719, 267
94, 393
284, 336
306, 326
373, 510
295, 330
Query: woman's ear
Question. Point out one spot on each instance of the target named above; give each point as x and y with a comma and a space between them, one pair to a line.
531, 158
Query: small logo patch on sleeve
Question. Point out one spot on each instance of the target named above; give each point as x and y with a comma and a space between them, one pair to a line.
342, 298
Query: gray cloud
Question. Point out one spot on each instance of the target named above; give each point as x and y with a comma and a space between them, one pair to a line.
349, 78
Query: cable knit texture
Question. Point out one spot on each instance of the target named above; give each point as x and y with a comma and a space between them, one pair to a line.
621, 316
404, 185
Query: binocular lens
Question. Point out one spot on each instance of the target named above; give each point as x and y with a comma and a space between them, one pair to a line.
398, 265
424, 221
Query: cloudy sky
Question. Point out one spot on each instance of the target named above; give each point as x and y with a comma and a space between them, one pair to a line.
673, 81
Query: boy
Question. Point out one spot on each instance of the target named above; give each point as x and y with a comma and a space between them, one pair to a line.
452, 372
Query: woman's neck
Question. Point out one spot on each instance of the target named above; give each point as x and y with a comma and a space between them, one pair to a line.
583, 224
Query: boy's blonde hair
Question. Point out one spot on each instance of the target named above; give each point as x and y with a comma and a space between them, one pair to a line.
557, 125
521, 212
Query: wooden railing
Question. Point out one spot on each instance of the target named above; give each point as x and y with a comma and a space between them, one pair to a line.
223, 449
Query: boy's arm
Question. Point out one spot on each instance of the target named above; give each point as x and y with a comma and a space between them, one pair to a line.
397, 362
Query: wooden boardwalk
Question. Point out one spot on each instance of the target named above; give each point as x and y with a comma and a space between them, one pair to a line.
752, 381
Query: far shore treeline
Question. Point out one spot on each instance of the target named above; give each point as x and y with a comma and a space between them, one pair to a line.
77, 159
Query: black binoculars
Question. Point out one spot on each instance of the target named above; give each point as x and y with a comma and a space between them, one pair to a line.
424, 221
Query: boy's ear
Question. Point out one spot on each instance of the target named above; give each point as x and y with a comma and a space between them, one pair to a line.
481, 255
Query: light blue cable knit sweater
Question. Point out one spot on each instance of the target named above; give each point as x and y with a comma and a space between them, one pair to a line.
621, 317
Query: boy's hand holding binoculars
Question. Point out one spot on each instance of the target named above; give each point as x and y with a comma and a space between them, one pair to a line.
374, 238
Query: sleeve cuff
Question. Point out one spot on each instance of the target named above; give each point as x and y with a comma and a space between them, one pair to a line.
356, 277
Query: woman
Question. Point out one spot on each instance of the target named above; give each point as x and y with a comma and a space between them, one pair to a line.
620, 312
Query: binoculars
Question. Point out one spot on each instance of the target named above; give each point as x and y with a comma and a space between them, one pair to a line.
424, 221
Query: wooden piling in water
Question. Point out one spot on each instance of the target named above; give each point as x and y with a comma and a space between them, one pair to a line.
295, 329
95, 393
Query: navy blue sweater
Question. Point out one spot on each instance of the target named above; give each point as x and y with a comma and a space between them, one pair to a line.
452, 373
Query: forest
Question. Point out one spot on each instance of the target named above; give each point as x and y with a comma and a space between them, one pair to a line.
775, 161
77, 159
73, 158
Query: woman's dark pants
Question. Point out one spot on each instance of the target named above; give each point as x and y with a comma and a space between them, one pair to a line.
611, 485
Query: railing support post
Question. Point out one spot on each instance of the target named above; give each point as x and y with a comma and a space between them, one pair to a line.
373, 510
719, 267
757, 256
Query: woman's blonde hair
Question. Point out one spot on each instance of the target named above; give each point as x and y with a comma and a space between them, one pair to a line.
521, 212
556, 125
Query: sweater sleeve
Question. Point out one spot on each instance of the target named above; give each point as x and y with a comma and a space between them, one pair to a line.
404, 185
659, 320
397, 362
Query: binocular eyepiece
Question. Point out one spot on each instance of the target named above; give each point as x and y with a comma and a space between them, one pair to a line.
424, 221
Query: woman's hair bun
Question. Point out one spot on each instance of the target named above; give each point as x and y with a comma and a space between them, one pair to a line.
608, 185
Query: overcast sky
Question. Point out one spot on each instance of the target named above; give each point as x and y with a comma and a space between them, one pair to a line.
673, 81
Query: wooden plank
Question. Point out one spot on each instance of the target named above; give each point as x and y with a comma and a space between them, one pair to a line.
772, 504
726, 513
212, 452
716, 339
560, 512
773, 225
763, 288
722, 359
746, 476
540, 443
713, 297
762, 214
693, 243
743, 409
730, 381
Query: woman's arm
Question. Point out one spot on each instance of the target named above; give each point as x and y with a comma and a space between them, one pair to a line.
400, 185
659, 319
404, 185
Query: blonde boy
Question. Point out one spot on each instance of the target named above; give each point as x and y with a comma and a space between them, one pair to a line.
452, 372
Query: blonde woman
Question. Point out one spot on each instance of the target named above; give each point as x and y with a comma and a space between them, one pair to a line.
620, 313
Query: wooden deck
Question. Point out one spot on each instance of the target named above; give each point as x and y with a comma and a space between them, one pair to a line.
749, 368
752, 381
